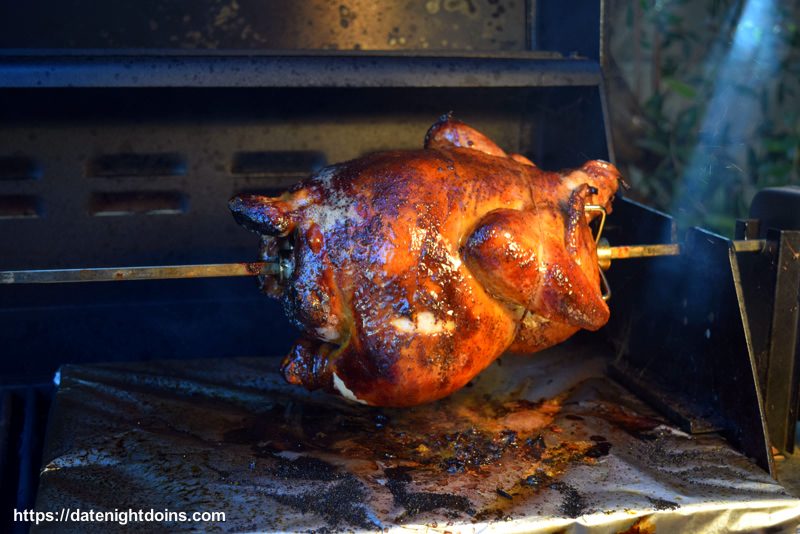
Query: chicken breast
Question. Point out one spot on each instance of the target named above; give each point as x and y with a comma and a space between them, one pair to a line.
411, 271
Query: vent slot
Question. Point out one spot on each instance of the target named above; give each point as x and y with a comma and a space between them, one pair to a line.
137, 203
130, 164
19, 207
278, 163
19, 168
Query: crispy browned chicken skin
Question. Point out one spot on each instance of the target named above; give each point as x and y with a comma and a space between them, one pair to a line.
413, 270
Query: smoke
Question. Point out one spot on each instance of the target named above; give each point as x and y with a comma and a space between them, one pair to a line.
743, 67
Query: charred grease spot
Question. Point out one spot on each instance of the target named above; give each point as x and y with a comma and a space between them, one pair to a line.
504, 494
535, 447
538, 480
473, 448
340, 501
305, 468
636, 425
417, 502
297, 427
663, 504
491, 514
599, 450
573, 504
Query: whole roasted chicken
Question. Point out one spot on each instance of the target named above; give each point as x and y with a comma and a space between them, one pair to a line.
411, 271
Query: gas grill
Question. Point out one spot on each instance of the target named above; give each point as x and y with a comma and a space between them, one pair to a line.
124, 131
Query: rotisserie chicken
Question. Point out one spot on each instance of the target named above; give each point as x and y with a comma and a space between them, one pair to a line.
411, 271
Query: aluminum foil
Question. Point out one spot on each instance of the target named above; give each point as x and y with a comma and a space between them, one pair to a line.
542, 443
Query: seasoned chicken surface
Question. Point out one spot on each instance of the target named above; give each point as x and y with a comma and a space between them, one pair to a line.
411, 271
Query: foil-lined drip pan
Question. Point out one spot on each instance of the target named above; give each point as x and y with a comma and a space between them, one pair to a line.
542, 443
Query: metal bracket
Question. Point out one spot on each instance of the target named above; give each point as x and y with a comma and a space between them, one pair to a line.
771, 288
595, 208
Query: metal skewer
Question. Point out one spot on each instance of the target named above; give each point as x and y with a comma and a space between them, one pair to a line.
605, 254
118, 274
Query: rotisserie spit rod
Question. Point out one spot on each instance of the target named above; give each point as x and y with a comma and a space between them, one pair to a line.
119, 274
605, 254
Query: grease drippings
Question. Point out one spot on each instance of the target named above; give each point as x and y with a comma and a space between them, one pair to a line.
434, 460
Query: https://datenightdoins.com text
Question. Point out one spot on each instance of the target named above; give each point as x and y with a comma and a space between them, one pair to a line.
120, 517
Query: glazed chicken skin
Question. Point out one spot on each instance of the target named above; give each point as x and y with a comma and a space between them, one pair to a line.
411, 271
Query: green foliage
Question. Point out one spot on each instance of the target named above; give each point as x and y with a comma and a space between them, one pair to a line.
703, 173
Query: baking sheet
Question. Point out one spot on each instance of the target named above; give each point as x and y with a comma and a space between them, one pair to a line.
541, 443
